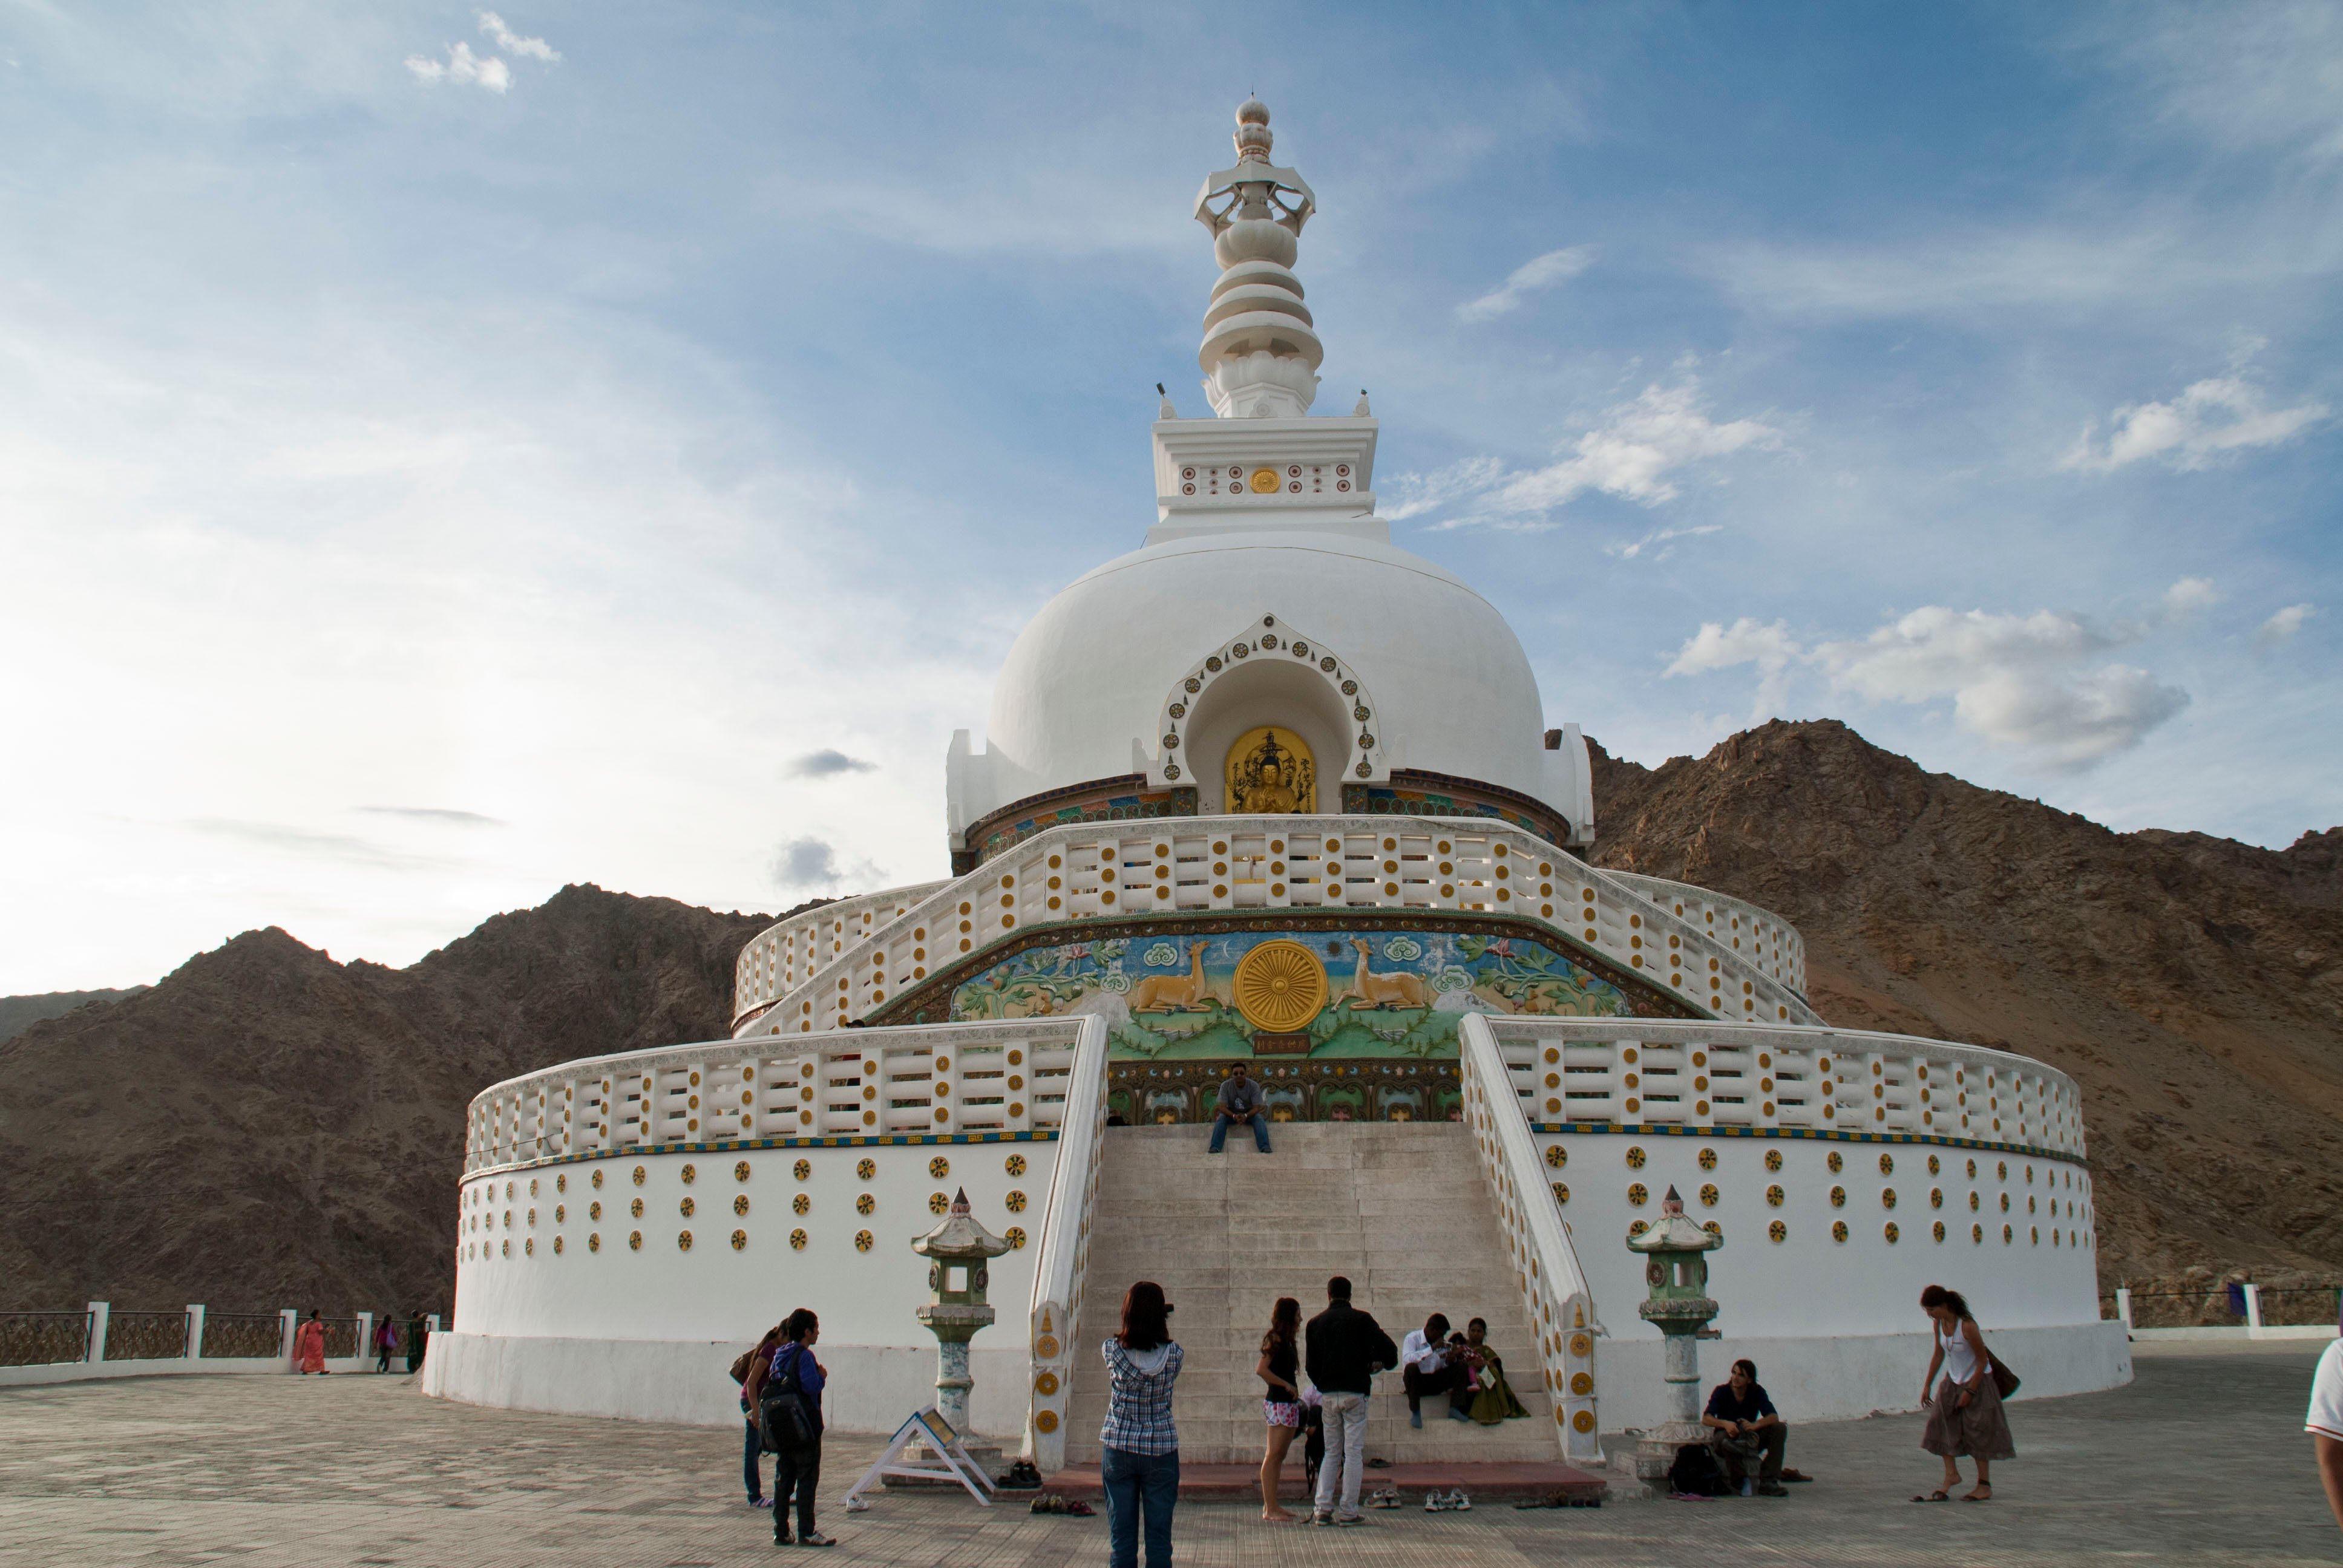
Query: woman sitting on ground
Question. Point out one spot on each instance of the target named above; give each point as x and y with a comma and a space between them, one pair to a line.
1965, 1415
1281, 1405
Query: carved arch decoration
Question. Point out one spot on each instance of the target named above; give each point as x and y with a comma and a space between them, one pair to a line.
1271, 638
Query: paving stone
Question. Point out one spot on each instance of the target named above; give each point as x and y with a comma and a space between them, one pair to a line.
2201, 1461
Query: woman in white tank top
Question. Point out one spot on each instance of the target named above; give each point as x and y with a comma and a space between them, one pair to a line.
1964, 1415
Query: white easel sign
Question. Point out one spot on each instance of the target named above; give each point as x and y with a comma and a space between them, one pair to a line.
949, 1461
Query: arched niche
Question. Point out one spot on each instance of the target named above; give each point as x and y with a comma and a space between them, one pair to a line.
1270, 674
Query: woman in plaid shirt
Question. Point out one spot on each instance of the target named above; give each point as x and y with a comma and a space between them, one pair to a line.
1141, 1465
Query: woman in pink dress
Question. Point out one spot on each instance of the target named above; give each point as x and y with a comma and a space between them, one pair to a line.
310, 1345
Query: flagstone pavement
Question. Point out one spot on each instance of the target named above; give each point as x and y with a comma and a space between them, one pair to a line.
2201, 1461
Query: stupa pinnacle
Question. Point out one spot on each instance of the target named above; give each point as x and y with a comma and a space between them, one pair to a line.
1260, 355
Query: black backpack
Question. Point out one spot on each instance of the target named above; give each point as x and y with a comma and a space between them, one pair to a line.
1696, 1472
787, 1420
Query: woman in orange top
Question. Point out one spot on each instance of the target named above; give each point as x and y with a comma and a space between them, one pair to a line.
310, 1345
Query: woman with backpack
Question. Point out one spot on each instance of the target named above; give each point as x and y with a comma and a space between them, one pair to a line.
753, 1444
785, 1390
1139, 1457
1965, 1409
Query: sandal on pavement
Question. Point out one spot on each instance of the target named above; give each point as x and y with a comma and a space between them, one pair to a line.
1975, 1497
1932, 1497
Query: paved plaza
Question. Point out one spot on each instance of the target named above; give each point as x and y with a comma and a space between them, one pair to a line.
2201, 1461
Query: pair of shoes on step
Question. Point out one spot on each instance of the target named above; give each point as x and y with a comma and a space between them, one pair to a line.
1453, 1502
1386, 1498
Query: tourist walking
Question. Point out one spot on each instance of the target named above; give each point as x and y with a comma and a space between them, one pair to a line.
1343, 1349
1426, 1368
1139, 1461
386, 1341
418, 1329
1240, 1103
310, 1345
1965, 1418
752, 1444
1280, 1401
786, 1391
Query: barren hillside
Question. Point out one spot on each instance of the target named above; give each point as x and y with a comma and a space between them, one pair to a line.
2193, 986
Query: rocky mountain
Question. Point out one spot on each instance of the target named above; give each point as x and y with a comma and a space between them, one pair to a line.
19, 1013
269, 1128
2192, 986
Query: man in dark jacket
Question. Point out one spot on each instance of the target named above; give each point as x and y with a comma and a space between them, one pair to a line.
1344, 1348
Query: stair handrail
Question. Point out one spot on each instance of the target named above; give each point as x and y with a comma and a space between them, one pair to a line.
1063, 1261
1554, 1287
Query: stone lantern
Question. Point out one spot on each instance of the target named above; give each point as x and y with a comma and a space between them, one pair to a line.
957, 1252
1676, 1274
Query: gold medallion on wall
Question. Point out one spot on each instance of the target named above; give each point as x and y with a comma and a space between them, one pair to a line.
1270, 771
1279, 986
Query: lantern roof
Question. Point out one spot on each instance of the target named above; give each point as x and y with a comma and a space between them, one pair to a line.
1676, 1231
962, 1235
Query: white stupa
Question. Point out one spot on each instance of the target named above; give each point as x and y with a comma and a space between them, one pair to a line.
1268, 788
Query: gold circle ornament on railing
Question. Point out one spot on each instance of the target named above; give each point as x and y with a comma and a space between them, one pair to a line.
1279, 986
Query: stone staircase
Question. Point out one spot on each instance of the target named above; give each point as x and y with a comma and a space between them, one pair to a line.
1398, 1207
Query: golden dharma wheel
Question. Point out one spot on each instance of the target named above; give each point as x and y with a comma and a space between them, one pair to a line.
1279, 986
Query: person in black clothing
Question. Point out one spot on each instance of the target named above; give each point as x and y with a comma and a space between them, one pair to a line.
1746, 1426
1344, 1350
797, 1452
1280, 1401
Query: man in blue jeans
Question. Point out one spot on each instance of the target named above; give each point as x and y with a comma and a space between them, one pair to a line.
1239, 1103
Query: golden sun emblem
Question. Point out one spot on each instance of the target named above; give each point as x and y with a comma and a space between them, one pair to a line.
1279, 986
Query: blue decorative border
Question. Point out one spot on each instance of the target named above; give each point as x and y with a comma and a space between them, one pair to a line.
724, 1146
1822, 1134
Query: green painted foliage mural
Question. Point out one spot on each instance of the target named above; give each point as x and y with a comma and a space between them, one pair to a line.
1390, 993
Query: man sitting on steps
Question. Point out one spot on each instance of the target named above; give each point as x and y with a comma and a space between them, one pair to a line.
1239, 1103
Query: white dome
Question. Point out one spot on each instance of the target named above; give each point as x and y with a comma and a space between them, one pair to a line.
1452, 690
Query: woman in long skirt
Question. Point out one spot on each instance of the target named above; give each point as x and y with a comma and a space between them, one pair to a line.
1965, 1418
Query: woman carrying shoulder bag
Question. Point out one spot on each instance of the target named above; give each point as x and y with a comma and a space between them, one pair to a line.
786, 1395
1965, 1416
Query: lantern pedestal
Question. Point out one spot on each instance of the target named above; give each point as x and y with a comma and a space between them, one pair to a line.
957, 1252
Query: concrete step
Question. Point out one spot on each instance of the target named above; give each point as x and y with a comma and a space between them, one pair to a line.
1399, 1209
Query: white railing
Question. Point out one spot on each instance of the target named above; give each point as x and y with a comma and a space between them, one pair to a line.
950, 1078
1554, 1287
1061, 1268
788, 950
1649, 1072
1122, 870
1775, 943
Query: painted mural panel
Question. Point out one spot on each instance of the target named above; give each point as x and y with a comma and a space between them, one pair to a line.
1388, 993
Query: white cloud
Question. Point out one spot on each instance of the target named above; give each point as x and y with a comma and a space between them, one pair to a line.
2014, 680
1542, 272
2025, 682
1661, 537
2218, 415
1716, 647
2189, 596
1632, 454
462, 66
2283, 626
513, 43
827, 763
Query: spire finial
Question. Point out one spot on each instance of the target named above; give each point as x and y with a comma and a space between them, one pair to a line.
1260, 355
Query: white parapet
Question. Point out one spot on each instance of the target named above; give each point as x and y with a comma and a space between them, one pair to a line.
1091, 871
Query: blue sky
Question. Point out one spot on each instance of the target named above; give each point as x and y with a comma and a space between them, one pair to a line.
432, 474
